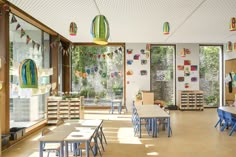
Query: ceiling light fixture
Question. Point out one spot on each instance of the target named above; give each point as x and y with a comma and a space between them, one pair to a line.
232, 26
100, 28
73, 29
166, 28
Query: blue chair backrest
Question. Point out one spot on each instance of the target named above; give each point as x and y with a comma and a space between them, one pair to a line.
220, 113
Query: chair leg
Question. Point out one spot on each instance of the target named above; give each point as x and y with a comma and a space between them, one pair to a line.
103, 135
219, 121
232, 130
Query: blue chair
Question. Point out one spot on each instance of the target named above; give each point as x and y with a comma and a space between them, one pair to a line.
230, 121
221, 117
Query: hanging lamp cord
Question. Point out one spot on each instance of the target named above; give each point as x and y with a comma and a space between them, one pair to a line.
97, 7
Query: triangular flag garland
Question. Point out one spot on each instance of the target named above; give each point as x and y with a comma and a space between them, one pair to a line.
27, 39
22, 32
18, 26
13, 19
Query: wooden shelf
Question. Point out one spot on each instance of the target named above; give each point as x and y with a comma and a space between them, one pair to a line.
191, 100
66, 109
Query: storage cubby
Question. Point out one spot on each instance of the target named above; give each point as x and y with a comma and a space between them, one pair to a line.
191, 100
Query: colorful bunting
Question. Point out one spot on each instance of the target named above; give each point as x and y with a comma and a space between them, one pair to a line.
22, 32
13, 19
27, 39
18, 26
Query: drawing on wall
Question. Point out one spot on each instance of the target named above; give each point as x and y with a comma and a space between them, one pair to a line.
142, 51
129, 72
148, 47
193, 79
143, 61
129, 61
129, 51
193, 67
143, 72
187, 62
181, 79
186, 85
136, 57
163, 75
147, 54
182, 52
186, 71
180, 67
187, 51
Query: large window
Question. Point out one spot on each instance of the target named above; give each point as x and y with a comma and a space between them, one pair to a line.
210, 72
162, 73
27, 105
98, 73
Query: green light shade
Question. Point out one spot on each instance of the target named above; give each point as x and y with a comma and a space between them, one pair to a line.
232, 26
73, 29
100, 30
166, 28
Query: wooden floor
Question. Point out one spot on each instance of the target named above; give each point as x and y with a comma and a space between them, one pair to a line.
194, 135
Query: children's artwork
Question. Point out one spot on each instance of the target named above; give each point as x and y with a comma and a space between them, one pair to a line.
180, 67
129, 51
143, 72
193, 67
143, 61
148, 47
234, 48
163, 75
187, 62
186, 71
129, 61
182, 52
181, 79
194, 79
186, 85
136, 57
88, 71
129, 72
187, 51
142, 51
147, 54
112, 75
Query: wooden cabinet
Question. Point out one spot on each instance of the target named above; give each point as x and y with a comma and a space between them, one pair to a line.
65, 109
191, 100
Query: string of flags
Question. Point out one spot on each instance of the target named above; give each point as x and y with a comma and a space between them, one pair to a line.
23, 33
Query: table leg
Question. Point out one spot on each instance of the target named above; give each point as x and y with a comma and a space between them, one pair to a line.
87, 148
40, 149
120, 107
112, 107
62, 149
66, 149
140, 128
168, 125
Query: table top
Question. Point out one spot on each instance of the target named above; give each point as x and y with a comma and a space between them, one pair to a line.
78, 130
229, 109
151, 111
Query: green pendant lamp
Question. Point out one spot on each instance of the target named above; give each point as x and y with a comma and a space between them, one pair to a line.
166, 28
73, 29
232, 26
100, 30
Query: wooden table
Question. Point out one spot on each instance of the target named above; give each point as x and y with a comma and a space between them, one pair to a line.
152, 112
229, 109
71, 131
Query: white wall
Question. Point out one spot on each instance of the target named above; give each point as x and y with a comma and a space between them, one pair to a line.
136, 82
193, 57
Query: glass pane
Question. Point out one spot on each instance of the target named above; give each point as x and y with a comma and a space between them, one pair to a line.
98, 73
210, 57
27, 105
162, 73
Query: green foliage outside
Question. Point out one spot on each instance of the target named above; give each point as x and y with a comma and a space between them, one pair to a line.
209, 74
99, 82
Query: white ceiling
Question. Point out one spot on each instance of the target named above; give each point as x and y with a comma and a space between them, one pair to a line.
139, 21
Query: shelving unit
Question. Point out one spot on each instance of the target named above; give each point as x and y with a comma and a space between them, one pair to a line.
65, 109
191, 100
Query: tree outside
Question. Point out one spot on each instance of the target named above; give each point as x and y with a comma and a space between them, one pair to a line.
97, 73
209, 74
